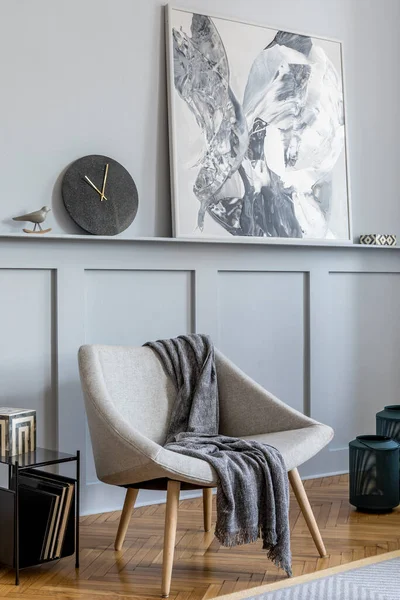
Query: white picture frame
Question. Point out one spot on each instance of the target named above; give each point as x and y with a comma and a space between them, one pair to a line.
184, 136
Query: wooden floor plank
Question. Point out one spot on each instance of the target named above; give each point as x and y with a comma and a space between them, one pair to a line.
202, 569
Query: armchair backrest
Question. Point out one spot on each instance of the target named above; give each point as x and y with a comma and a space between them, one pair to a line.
134, 381
127, 387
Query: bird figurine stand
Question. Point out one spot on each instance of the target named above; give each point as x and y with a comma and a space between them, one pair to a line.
40, 230
37, 217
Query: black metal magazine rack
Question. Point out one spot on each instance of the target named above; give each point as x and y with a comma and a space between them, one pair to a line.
10, 508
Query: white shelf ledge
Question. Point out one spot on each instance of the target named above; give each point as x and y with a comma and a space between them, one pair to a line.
187, 240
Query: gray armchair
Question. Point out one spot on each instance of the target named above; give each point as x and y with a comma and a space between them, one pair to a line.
128, 399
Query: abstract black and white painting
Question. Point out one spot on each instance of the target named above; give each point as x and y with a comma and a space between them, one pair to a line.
257, 131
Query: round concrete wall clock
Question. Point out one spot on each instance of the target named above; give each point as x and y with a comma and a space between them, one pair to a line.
100, 195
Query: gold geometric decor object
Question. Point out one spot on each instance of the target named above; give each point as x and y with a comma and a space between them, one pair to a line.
17, 431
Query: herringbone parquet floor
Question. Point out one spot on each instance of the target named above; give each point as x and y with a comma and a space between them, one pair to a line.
202, 568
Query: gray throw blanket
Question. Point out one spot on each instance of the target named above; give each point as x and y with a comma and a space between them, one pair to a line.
252, 493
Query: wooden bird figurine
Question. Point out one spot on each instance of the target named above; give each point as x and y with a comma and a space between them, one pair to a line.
36, 217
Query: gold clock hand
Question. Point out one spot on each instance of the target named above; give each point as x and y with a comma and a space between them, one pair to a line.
93, 186
102, 197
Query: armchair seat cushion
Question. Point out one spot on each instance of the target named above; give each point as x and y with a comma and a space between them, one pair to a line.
296, 447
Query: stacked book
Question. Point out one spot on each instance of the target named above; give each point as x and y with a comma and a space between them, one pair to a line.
45, 502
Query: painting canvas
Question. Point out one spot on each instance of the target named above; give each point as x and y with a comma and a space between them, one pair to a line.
257, 131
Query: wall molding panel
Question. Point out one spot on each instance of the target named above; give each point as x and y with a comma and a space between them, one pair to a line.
28, 344
315, 325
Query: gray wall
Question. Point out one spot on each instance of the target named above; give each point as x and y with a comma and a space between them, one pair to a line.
88, 76
316, 326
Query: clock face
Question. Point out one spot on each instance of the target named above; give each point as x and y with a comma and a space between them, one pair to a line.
100, 195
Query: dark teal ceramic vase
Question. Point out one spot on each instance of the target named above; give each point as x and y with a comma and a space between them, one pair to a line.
388, 422
374, 473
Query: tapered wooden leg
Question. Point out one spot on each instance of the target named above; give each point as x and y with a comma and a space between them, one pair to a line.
207, 508
171, 519
130, 499
306, 509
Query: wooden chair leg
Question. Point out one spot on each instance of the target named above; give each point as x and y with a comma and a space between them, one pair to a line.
130, 499
207, 508
171, 518
306, 509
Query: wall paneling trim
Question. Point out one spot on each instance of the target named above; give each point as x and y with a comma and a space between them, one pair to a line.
317, 326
